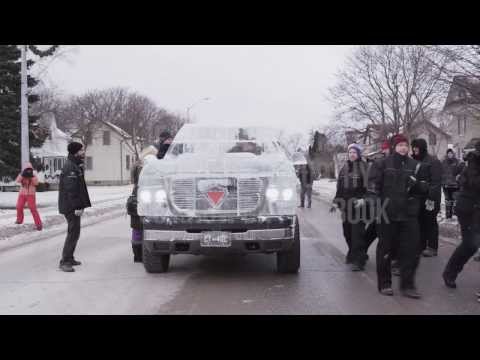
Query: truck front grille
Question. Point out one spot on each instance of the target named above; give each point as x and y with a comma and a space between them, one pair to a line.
247, 198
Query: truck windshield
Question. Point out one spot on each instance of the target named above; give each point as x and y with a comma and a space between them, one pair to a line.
193, 139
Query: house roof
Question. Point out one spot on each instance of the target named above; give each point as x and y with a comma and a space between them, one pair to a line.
115, 128
463, 90
431, 125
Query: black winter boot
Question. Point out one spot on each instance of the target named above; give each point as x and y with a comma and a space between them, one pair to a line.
137, 253
449, 280
411, 293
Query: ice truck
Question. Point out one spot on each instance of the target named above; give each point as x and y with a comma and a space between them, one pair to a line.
220, 190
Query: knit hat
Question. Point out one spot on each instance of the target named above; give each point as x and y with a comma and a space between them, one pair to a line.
74, 147
165, 135
421, 144
399, 138
386, 145
357, 148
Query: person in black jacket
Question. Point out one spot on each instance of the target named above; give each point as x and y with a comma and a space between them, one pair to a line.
468, 212
451, 169
393, 181
164, 144
305, 175
73, 198
430, 203
371, 230
135, 220
350, 198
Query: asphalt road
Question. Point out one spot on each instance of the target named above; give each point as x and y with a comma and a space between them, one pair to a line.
109, 282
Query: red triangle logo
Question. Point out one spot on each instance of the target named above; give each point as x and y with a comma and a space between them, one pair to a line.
216, 196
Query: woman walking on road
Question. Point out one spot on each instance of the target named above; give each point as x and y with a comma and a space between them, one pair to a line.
351, 190
28, 182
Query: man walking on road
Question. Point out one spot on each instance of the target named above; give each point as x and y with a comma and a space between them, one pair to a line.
430, 202
468, 213
72, 200
305, 175
393, 182
451, 169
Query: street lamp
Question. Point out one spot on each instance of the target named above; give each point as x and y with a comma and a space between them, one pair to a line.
191, 106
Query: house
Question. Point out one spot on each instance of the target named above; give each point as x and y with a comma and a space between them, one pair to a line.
462, 112
53, 153
109, 156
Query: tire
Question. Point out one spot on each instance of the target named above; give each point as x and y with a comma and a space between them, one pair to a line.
155, 263
288, 262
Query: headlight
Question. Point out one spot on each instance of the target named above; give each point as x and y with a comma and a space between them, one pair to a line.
272, 194
160, 196
287, 194
146, 196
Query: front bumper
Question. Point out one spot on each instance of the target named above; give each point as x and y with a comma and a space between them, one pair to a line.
252, 235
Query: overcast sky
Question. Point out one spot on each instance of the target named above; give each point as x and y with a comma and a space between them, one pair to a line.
282, 86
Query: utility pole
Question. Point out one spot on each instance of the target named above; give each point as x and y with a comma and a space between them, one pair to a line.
25, 146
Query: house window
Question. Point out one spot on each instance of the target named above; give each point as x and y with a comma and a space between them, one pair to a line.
127, 162
432, 139
106, 138
89, 163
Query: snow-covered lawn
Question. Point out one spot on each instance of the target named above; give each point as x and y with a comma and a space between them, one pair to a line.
104, 200
50, 198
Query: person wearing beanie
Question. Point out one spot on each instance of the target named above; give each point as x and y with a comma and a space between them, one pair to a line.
306, 177
165, 142
430, 202
394, 187
135, 220
386, 148
467, 210
28, 185
451, 168
350, 199
73, 198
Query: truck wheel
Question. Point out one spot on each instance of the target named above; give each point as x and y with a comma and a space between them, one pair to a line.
155, 263
288, 262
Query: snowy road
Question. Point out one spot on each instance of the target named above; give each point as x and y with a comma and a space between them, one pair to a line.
110, 283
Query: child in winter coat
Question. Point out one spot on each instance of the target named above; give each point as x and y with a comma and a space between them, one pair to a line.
29, 182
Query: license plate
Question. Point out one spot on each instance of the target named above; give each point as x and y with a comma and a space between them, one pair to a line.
216, 239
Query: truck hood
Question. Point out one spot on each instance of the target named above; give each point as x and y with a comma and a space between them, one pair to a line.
242, 164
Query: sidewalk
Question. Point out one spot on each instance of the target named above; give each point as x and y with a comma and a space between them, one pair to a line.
107, 202
324, 189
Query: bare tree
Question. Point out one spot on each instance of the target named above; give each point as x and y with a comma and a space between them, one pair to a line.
462, 72
387, 87
134, 113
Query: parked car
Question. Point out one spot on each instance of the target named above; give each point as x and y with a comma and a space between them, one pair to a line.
220, 190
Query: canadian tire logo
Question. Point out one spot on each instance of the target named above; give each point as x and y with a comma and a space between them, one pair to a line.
216, 196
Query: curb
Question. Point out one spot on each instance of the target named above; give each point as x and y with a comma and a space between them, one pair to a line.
59, 227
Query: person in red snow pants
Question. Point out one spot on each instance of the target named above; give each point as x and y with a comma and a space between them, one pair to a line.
29, 182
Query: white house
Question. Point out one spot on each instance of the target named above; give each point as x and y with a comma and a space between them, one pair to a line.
53, 153
109, 156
